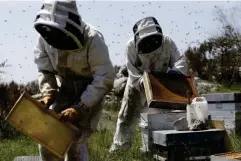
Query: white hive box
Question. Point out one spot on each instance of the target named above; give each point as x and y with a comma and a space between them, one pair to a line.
150, 122
225, 107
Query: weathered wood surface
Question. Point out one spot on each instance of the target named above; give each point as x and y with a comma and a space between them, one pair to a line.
27, 158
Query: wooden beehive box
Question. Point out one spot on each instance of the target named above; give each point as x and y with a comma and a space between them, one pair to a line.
169, 91
230, 156
30, 117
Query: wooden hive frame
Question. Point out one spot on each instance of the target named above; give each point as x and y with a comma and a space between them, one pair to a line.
159, 96
30, 117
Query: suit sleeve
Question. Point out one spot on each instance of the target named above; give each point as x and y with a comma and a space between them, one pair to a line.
135, 75
46, 77
178, 61
102, 71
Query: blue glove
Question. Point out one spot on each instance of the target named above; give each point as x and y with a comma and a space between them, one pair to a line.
174, 72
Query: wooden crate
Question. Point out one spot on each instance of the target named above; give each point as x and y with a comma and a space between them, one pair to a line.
44, 126
169, 91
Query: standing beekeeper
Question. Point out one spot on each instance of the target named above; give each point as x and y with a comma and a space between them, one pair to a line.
74, 52
148, 50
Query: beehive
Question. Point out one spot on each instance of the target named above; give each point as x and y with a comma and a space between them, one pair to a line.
169, 91
30, 117
225, 107
156, 121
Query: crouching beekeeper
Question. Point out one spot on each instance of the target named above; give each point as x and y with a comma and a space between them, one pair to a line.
147, 50
72, 52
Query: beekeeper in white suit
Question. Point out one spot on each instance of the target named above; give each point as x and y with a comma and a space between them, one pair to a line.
149, 50
74, 51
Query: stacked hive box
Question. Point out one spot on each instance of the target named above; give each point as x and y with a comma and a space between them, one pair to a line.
166, 92
188, 145
159, 121
225, 107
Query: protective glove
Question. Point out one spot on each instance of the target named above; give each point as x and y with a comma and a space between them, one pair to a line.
77, 114
141, 83
47, 101
174, 72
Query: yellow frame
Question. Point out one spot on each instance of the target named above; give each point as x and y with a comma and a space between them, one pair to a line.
18, 113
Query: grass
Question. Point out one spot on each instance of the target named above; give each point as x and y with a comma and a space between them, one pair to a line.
100, 151
235, 141
98, 144
236, 87
21, 146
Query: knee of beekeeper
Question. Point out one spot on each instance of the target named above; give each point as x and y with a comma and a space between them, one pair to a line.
131, 87
131, 102
132, 95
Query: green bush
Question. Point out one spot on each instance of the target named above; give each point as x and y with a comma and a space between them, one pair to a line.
9, 93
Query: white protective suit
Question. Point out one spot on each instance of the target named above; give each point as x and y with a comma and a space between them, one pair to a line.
161, 59
79, 59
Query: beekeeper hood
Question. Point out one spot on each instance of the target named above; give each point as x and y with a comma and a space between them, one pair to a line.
148, 36
60, 24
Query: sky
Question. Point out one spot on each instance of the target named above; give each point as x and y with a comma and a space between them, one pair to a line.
184, 21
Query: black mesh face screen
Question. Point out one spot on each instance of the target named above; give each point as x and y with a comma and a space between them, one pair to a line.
56, 38
72, 29
149, 44
74, 18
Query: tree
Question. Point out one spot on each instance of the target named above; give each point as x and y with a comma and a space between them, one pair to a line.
218, 58
32, 87
3, 65
229, 43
